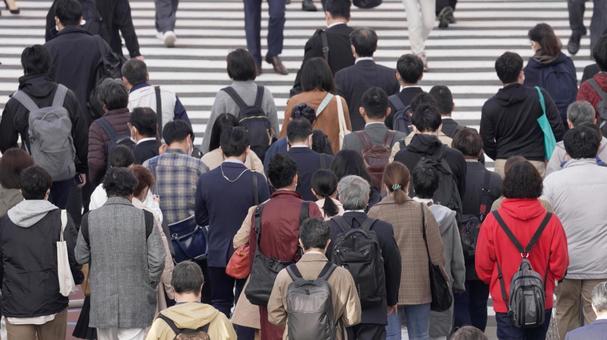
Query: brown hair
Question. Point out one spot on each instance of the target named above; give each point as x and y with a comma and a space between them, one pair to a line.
144, 179
396, 178
12, 163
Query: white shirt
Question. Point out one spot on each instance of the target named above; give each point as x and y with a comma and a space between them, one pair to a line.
337, 23
363, 58
145, 139
374, 123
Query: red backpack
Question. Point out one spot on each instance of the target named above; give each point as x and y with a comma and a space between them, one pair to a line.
376, 156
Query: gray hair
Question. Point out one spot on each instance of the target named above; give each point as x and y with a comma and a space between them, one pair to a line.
599, 297
580, 112
353, 192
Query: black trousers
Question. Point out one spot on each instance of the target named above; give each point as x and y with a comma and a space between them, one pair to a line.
440, 4
598, 24
470, 307
367, 331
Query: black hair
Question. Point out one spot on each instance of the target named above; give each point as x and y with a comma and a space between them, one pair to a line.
282, 170
375, 103
410, 68
321, 142
145, 120
223, 121
298, 130
338, 8
135, 71
304, 110
313, 233
12, 163
508, 67
443, 98
364, 40
469, 333
121, 157
241, 65
113, 94
422, 98
69, 12
324, 183
544, 35
582, 141
176, 131
349, 162
234, 141
316, 75
468, 141
426, 118
35, 60
35, 182
187, 278
599, 53
119, 182
425, 179
522, 180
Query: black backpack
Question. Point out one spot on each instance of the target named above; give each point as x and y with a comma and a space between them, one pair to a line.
114, 139
358, 250
254, 119
201, 333
401, 118
601, 109
527, 302
447, 193
470, 224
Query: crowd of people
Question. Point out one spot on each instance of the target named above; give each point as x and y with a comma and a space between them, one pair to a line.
369, 213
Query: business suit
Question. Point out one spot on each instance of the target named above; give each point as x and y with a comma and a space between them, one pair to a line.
353, 81
595, 330
146, 149
308, 161
376, 132
276, 25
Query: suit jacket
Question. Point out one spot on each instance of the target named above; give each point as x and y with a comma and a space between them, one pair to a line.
596, 330
376, 132
354, 80
308, 161
392, 265
146, 150
406, 95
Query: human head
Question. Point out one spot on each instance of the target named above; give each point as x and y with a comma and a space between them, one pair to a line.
599, 53
425, 180
299, 131
235, 142
304, 110
324, 186
143, 123
410, 69
522, 181
121, 157
145, 180
444, 99
134, 72
187, 279
426, 119
321, 142
112, 94
396, 180
364, 41
545, 40
374, 105
337, 10
582, 141
68, 13
511, 161
179, 134
223, 121
119, 182
599, 298
241, 65
469, 333
580, 112
35, 183
353, 192
469, 142
12, 163
282, 172
509, 68
314, 235
349, 162
35, 60
423, 98
316, 75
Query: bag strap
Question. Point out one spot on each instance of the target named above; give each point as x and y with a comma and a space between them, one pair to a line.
235, 97
304, 213
396, 102
149, 223
170, 322
364, 139
538, 232
326, 271
259, 96
255, 191
389, 138
402, 144
63, 224
540, 95
84, 229
341, 223
421, 205
597, 88
324, 43
324, 103
25, 100
367, 224
158, 110
294, 272
500, 277
508, 232
59, 97
258, 211
107, 127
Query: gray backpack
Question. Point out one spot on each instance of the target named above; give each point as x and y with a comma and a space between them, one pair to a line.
50, 135
309, 306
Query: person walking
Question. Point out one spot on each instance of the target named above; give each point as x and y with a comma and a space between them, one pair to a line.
276, 25
598, 24
420, 20
165, 19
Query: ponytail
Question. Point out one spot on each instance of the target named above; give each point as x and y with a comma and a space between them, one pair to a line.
396, 178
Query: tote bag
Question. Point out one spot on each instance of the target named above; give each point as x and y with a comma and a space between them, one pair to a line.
64, 273
343, 129
549, 140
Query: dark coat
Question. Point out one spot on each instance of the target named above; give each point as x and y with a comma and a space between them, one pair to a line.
354, 80
89, 13
117, 21
590, 71
42, 90
450, 127
509, 123
146, 150
392, 265
308, 161
406, 95
595, 330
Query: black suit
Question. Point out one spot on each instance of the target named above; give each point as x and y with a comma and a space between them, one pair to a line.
340, 50
308, 161
406, 96
146, 150
354, 80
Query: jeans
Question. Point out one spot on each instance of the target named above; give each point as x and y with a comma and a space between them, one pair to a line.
166, 15
507, 331
470, 307
414, 317
276, 25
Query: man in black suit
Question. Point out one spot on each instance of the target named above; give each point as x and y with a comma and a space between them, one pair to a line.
143, 126
409, 71
337, 34
354, 80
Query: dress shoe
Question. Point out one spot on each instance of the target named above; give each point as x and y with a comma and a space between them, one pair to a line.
308, 6
258, 70
11, 5
443, 17
574, 43
277, 64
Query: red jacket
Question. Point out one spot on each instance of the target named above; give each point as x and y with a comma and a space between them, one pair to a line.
587, 93
523, 217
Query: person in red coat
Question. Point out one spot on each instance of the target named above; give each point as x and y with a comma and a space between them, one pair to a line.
587, 92
522, 213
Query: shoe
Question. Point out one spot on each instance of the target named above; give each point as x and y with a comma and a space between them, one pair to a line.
258, 70
308, 6
277, 64
573, 46
12, 9
443, 17
451, 17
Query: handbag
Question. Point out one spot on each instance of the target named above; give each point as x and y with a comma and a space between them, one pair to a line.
439, 284
549, 139
189, 240
64, 272
343, 129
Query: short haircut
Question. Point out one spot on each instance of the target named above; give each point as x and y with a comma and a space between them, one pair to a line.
469, 333
187, 278
410, 68
581, 112
317, 75
177, 131
508, 67
234, 141
353, 192
135, 71
375, 102
425, 179
35, 60
423, 98
35, 182
304, 110
364, 40
338, 8
313, 233
599, 297
281, 171
298, 130
144, 177
144, 119
223, 121
69, 12
119, 182
544, 35
113, 94
599, 53
582, 141
349, 162
522, 181
468, 141
121, 157
426, 118
241, 65
443, 97
12, 163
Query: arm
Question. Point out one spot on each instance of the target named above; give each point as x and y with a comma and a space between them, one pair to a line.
8, 131
96, 154
219, 107
79, 131
458, 264
554, 164
353, 309
156, 257
552, 112
392, 266
124, 22
201, 211
70, 235
485, 251
559, 255
434, 239
82, 252
242, 236
277, 313
271, 110
167, 272
180, 113
487, 132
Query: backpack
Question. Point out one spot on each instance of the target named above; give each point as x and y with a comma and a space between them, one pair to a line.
309, 305
49, 139
601, 109
254, 119
401, 118
447, 193
358, 250
376, 156
366, 4
201, 333
561, 84
527, 300
470, 224
114, 139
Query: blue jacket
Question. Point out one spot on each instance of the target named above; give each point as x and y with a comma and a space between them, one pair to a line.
308, 161
597, 330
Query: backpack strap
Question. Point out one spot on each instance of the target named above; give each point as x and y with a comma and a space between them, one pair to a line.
396, 102
304, 212
158, 109
255, 191
149, 223
402, 144
326, 271
109, 130
538, 232
235, 97
59, 97
324, 103
597, 88
259, 96
170, 322
367, 224
25, 100
341, 223
294, 272
389, 138
524, 251
324, 43
364, 139
508, 232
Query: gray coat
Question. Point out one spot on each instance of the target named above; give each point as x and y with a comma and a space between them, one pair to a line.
125, 266
377, 133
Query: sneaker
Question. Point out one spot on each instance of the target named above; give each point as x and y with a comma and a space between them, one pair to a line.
169, 38
573, 46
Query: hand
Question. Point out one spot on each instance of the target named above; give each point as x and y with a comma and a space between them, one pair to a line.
392, 309
81, 180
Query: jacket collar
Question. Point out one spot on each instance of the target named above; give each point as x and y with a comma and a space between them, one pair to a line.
286, 194
118, 200
580, 162
138, 86
116, 112
72, 29
313, 257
